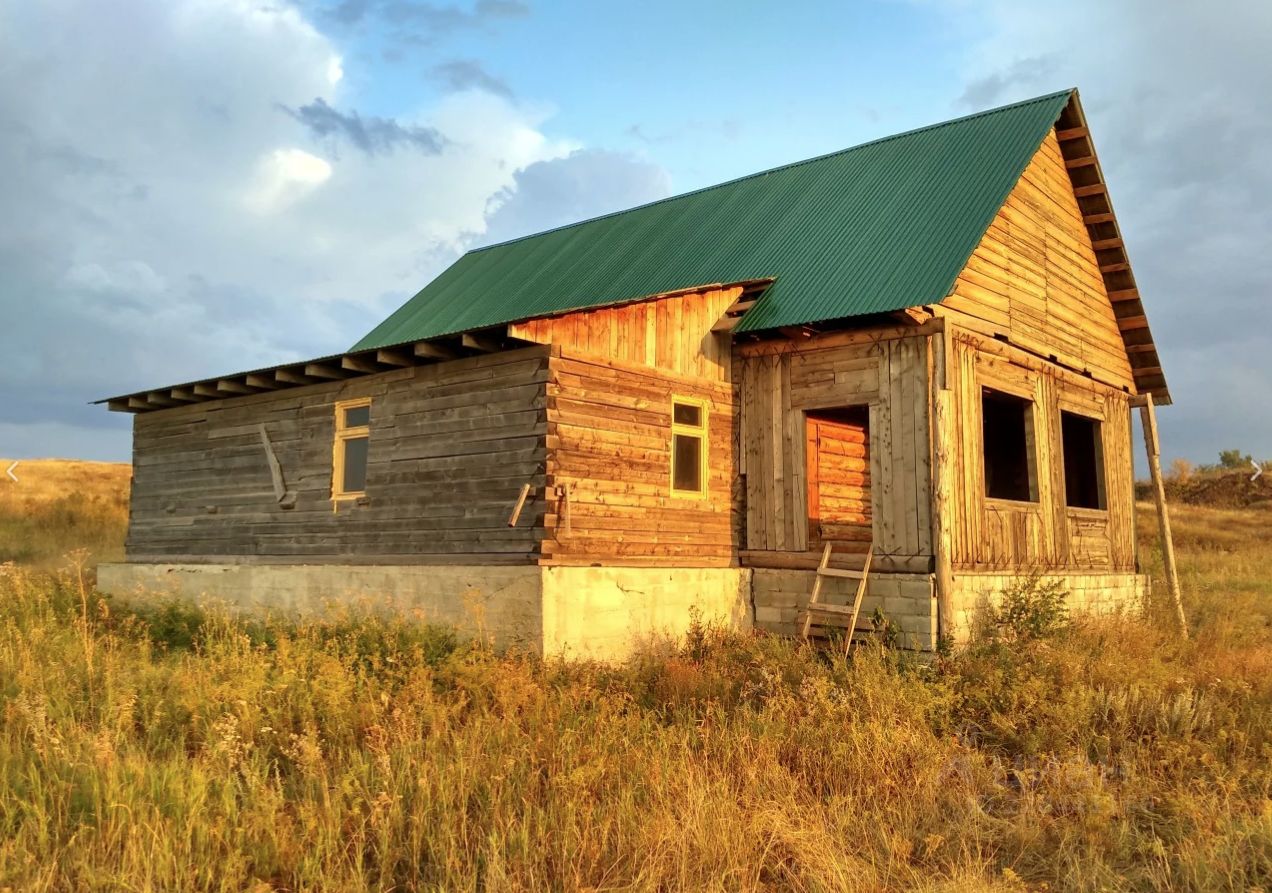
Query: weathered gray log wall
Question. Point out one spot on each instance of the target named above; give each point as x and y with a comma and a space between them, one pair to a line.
451, 445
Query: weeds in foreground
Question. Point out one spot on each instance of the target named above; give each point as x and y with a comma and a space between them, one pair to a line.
183, 749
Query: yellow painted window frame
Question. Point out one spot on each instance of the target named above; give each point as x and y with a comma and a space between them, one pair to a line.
344, 433
699, 431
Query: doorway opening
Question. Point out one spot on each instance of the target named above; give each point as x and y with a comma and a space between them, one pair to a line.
838, 459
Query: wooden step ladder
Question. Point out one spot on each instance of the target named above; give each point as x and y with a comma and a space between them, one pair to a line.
816, 609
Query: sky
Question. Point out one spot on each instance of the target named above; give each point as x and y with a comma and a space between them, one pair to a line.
198, 187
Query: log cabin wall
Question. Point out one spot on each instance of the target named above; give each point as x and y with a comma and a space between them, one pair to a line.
450, 447
1035, 277
609, 467
779, 382
672, 333
1043, 534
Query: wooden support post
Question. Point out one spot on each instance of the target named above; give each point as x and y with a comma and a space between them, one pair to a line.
1148, 415
943, 481
943, 510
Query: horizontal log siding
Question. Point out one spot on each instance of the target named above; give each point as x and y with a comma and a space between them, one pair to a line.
609, 426
451, 446
1035, 277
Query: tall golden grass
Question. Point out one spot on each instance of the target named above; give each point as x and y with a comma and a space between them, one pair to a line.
58, 505
176, 749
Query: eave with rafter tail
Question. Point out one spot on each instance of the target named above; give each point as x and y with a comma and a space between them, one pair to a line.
333, 368
1092, 193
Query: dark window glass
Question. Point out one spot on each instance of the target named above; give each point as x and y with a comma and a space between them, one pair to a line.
1083, 461
1008, 465
686, 414
357, 416
355, 465
686, 463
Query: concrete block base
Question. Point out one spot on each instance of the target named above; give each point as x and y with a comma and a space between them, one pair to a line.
907, 600
589, 612
1089, 592
603, 613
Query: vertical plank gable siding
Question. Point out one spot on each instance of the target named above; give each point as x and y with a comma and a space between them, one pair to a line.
609, 427
1035, 277
1046, 535
672, 334
451, 446
778, 382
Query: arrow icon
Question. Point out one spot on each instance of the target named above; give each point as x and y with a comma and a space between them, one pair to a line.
13, 477
1258, 470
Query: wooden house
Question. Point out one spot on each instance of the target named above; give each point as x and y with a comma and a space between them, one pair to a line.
925, 348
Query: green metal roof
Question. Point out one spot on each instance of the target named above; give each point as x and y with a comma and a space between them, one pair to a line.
876, 228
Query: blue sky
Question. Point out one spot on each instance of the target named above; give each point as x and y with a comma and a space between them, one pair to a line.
194, 187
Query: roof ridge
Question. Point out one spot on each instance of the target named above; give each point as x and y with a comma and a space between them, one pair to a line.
781, 167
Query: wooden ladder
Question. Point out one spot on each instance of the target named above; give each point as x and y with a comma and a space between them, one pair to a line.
827, 612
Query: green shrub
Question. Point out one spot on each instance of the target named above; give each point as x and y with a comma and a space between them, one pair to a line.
1029, 610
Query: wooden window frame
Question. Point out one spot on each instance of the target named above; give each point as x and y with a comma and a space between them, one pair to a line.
342, 434
1032, 468
1100, 467
699, 431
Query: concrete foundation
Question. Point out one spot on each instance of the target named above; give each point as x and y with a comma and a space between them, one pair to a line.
907, 600
1096, 593
603, 613
590, 612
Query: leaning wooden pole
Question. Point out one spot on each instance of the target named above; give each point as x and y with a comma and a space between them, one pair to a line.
942, 484
1148, 415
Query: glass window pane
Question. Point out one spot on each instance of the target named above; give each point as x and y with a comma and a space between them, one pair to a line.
686, 414
686, 463
357, 416
355, 465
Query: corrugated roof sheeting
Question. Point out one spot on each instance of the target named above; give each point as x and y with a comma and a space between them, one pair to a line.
880, 227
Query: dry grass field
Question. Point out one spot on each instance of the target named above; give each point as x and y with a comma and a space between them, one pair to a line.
181, 750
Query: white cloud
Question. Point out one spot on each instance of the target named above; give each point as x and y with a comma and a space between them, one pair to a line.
167, 219
283, 177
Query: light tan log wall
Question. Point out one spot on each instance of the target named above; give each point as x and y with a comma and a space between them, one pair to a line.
451, 446
778, 381
999, 534
1035, 278
609, 429
672, 334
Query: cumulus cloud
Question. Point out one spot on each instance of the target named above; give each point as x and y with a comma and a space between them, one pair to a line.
285, 176
1175, 96
166, 222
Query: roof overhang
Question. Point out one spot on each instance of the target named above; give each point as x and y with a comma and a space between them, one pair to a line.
336, 367
1110, 251
372, 361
